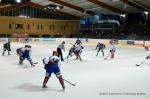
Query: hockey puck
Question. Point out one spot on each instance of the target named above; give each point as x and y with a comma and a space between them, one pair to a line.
137, 65
105, 58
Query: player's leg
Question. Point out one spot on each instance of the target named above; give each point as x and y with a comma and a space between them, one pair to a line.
102, 52
69, 54
59, 76
8, 52
30, 61
8, 49
97, 52
79, 55
112, 54
3, 52
61, 80
61, 55
21, 59
47, 76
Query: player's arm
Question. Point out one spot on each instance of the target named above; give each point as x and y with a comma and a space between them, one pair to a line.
45, 62
30, 53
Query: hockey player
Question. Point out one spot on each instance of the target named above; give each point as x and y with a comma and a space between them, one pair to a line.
26, 54
78, 51
147, 57
52, 65
112, 49
59, 50
148, 52
71, 51
7, 47
100, 47
20, 52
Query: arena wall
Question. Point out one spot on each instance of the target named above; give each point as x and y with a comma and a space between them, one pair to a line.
25, 26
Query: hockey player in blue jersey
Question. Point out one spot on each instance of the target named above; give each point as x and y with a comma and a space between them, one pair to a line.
26, 54
52, 65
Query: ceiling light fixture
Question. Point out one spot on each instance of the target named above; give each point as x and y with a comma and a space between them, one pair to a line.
146, 12
123, 15
18, 1
53, 7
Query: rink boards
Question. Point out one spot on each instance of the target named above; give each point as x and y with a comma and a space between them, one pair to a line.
89, 41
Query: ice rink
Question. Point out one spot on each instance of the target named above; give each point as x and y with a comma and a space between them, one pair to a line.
95, 78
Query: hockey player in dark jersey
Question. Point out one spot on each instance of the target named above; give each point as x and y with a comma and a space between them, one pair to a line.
6, 47
100, 47
71, 51
52, 65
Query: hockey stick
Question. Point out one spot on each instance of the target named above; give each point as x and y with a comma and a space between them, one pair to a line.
35, 63
140, 63
15, 53
69, 82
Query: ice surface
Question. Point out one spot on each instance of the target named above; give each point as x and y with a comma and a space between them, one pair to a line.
95, 78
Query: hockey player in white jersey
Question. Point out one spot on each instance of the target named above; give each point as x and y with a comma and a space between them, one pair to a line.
148, 52
146, 58
112, 49
78, 51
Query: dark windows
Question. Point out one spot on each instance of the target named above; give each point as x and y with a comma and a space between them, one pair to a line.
10, 26
28, 26
18, 26
38, 27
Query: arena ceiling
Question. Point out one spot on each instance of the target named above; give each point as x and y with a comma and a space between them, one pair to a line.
83, 8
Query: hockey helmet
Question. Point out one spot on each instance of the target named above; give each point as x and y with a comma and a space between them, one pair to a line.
29, 46
111, 42
55, 53
26, 45
63, 42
